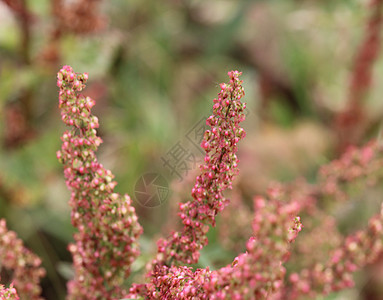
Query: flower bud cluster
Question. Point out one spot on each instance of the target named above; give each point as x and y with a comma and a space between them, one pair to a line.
106, 242
24, 264
221, 165
8, 293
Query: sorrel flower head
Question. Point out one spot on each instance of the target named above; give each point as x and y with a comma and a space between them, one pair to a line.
106, 242
217, 173
24, 264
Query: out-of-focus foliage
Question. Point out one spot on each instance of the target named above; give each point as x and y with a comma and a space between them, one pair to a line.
155, 68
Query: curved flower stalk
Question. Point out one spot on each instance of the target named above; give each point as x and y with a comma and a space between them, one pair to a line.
256, 274
217, 174
106, 242
24, 264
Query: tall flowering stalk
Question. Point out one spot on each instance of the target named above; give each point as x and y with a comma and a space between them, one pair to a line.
24, 264
106, 242
221, 166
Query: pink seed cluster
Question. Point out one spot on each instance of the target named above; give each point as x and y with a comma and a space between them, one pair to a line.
221, 165
24, 264
106, 241
8, 293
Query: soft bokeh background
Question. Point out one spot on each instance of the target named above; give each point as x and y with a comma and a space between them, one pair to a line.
154, 68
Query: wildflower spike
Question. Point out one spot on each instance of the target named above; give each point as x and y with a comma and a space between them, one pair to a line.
106, 242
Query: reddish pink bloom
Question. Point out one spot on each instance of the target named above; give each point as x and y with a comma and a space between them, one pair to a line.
106, 242
217, 174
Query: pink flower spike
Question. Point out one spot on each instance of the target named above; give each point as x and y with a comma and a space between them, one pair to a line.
93, 203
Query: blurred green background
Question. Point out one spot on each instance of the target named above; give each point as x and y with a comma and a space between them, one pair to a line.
154, 69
